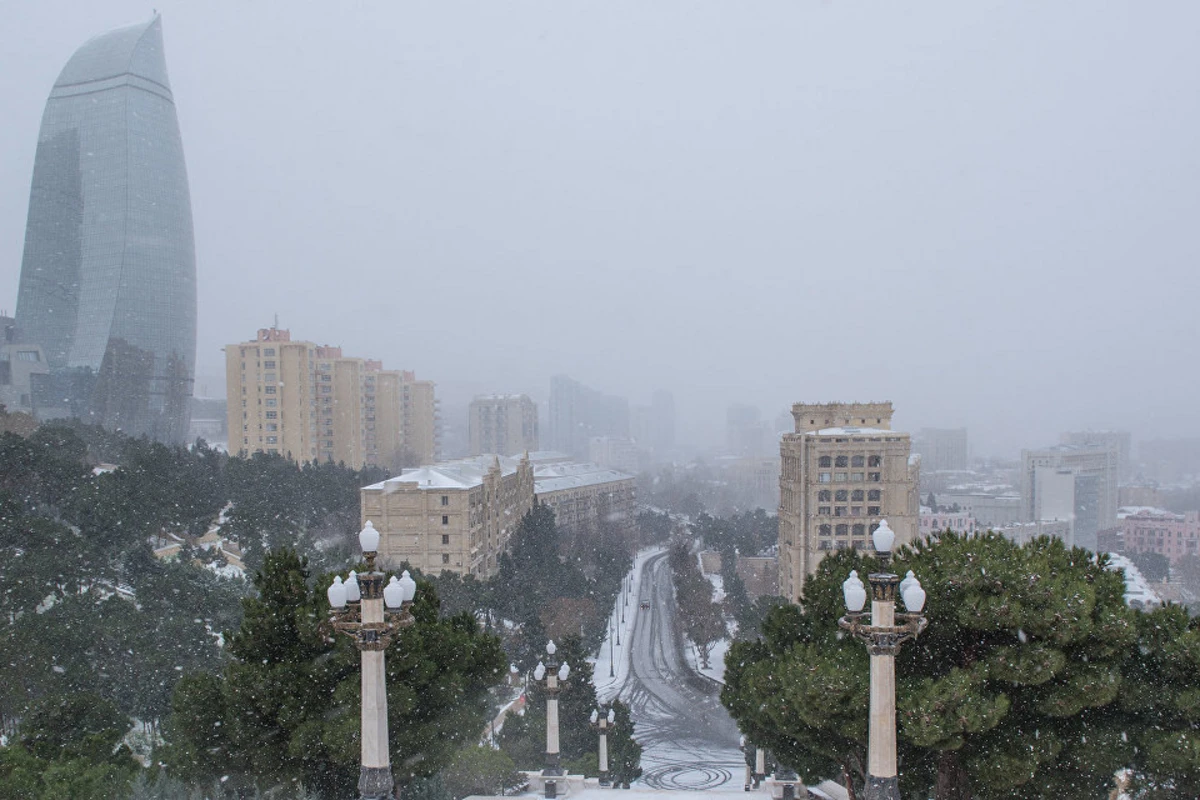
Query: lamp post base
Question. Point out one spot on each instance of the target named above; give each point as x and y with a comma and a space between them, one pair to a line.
882, 788
375, 783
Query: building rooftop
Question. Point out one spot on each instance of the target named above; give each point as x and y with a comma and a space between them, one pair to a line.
557, 476
465, 473
1147, 511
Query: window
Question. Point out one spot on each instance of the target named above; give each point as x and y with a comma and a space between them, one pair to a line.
271, 402
272, 440
824, 545
445, 519
823, 511
27, 355
445, 558
843, 530
839, 511
874, 494
268, 365
856, 477
860, 529
269, 389
858, 461
445, 538
271, 426
873, 477
823, 477
826, 530
272, 415
872, 511
842, 461
445, 500
856, 511
842, 495
268, 351
269, 377
826, 461
824, 495
857, 495
875, 461
839, 477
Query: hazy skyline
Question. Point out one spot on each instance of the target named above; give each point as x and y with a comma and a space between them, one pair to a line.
983, 212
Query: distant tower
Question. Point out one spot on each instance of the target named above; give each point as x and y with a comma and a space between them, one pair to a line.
108, 280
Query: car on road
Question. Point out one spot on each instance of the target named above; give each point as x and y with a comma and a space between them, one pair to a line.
645, 605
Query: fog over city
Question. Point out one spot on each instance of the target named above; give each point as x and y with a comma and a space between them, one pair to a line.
983, 212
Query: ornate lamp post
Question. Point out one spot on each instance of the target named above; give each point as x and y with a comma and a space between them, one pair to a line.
358, 611
883, 635
601, 724
555, 680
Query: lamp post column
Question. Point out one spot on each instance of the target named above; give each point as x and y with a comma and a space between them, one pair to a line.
552, 761
375, 773
882, 780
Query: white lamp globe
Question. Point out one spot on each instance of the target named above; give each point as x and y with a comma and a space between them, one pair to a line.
854, 593
393, 593
368, 538
539, 671
409, 586
353, 594
612, 716
564, 671
550, 648
914, 598
595, 716
909, 579
883, 537
336, 593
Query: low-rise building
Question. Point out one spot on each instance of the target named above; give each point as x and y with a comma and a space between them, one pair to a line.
1147, 529
461, 515
1023, 532
938, 521
457, 516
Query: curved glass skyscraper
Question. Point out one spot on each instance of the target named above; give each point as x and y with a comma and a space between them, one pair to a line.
108, 280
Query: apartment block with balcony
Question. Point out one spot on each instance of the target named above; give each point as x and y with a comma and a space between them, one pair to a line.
504, 424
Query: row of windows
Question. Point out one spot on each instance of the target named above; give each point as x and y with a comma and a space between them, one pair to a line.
827, 544
850, 461
844, 477
846, 511
842, 495
843, 529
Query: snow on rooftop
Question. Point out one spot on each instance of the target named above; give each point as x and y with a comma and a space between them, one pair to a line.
1146, 511
465, 473
1137, 588
556, 476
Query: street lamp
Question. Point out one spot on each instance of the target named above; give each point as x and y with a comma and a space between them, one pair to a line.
555, 683
601, 724
358, 610
883, 637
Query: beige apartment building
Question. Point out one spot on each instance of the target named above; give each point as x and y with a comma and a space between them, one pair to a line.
311, 402
419, 420
504, 424
457, 516
842, 471
582, 496
460, 515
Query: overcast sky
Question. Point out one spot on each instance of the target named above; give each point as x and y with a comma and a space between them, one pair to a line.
986, 212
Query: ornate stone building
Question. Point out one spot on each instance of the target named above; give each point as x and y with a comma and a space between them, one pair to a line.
841, 472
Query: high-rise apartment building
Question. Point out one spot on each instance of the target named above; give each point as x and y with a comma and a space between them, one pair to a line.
504, 424
842, 471
310, 402
1121, 441
108, 278
419, 420
577, 413
1073, 483
942, 449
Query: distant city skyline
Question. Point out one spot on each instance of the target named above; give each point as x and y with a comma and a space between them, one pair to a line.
979, 211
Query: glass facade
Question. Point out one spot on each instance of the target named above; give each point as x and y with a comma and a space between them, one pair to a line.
108, 280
